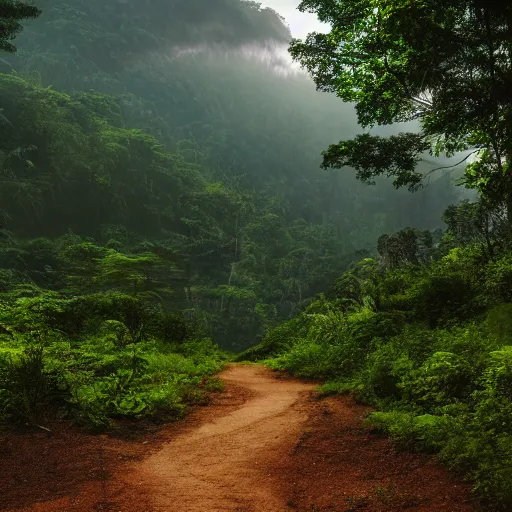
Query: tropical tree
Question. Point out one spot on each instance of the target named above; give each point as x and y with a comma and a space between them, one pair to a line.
11, 13
444, 64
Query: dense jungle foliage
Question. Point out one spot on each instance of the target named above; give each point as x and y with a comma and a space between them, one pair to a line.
160, 196
423, 333
141, 136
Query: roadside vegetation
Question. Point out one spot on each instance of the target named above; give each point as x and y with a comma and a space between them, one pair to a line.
95, 359
424, 335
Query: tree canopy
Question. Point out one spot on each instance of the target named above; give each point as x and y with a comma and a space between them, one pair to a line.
11, 13
446, 65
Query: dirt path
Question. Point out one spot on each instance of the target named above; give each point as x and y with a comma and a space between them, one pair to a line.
265, 445
227, 464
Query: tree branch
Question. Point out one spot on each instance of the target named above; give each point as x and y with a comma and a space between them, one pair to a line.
454, 165
423, 103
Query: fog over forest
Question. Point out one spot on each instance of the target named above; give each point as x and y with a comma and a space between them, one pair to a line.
244, 127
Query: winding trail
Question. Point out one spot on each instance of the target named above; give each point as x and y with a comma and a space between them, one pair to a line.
229, 463
266, 444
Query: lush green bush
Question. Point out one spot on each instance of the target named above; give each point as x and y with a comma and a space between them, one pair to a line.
26, 387
443, 379
498, 280
78, 358
307, 359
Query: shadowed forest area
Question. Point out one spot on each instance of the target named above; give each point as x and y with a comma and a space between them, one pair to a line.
163, 211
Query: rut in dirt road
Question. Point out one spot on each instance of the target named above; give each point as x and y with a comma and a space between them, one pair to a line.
229, 464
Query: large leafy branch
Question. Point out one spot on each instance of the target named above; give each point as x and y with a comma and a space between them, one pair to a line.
444, 65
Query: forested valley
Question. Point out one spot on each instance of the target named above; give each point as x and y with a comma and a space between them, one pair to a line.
163, 212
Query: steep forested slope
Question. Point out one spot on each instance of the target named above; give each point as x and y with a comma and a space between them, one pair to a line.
255, 225
160, 189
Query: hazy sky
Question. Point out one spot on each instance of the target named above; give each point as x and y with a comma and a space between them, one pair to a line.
301, 23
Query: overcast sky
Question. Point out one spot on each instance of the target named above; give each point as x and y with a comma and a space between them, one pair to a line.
301, 23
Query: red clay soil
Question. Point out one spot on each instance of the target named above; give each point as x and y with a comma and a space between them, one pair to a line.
264, 445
